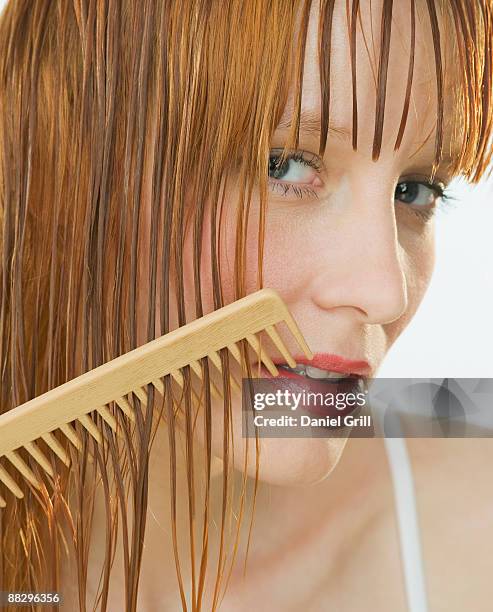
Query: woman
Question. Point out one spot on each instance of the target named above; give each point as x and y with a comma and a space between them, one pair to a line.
144, 184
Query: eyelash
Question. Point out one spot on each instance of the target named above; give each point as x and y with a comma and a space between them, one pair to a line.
442, 194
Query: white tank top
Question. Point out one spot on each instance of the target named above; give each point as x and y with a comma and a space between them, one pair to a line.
407, 519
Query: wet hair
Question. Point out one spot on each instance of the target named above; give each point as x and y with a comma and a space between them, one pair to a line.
95, 95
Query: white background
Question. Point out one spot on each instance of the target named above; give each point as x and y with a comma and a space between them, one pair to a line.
452, 332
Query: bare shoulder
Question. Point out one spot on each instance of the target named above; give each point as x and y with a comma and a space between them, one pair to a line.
457, 471
455, 505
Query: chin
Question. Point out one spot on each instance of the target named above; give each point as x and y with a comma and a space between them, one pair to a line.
286, 461
298, 461
282, 461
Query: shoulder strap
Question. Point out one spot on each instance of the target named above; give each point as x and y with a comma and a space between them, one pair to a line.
405, 501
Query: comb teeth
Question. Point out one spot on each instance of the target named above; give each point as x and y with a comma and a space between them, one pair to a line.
255, 344
23, 468
10, 483
216, 361
70, 433
131, 373
281, 347
34, 451
56, 447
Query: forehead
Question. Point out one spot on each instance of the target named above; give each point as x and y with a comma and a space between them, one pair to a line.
421, 122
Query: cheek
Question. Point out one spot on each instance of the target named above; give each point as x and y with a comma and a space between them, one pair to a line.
226, 233
283, 266
421, 262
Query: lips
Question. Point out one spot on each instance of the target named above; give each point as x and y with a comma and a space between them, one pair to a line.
333, 363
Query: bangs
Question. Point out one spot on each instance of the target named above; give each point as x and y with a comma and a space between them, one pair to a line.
461, 31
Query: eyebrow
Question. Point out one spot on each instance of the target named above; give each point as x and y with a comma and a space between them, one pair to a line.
310, 124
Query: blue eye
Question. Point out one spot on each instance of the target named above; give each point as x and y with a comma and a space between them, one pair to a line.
422, 197
299, 173
295, 169
412, 192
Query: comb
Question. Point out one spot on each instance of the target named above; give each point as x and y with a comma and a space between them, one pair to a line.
115, 381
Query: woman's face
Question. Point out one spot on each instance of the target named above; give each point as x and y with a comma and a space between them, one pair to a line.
349, 244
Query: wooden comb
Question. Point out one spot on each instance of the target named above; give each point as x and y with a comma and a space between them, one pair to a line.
130, 373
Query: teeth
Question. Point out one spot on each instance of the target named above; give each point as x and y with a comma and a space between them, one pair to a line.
312, 372
317, 373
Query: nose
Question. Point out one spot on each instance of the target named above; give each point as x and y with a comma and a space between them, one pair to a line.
365, 270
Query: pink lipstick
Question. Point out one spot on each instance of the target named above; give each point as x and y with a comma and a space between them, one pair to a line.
333, 363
